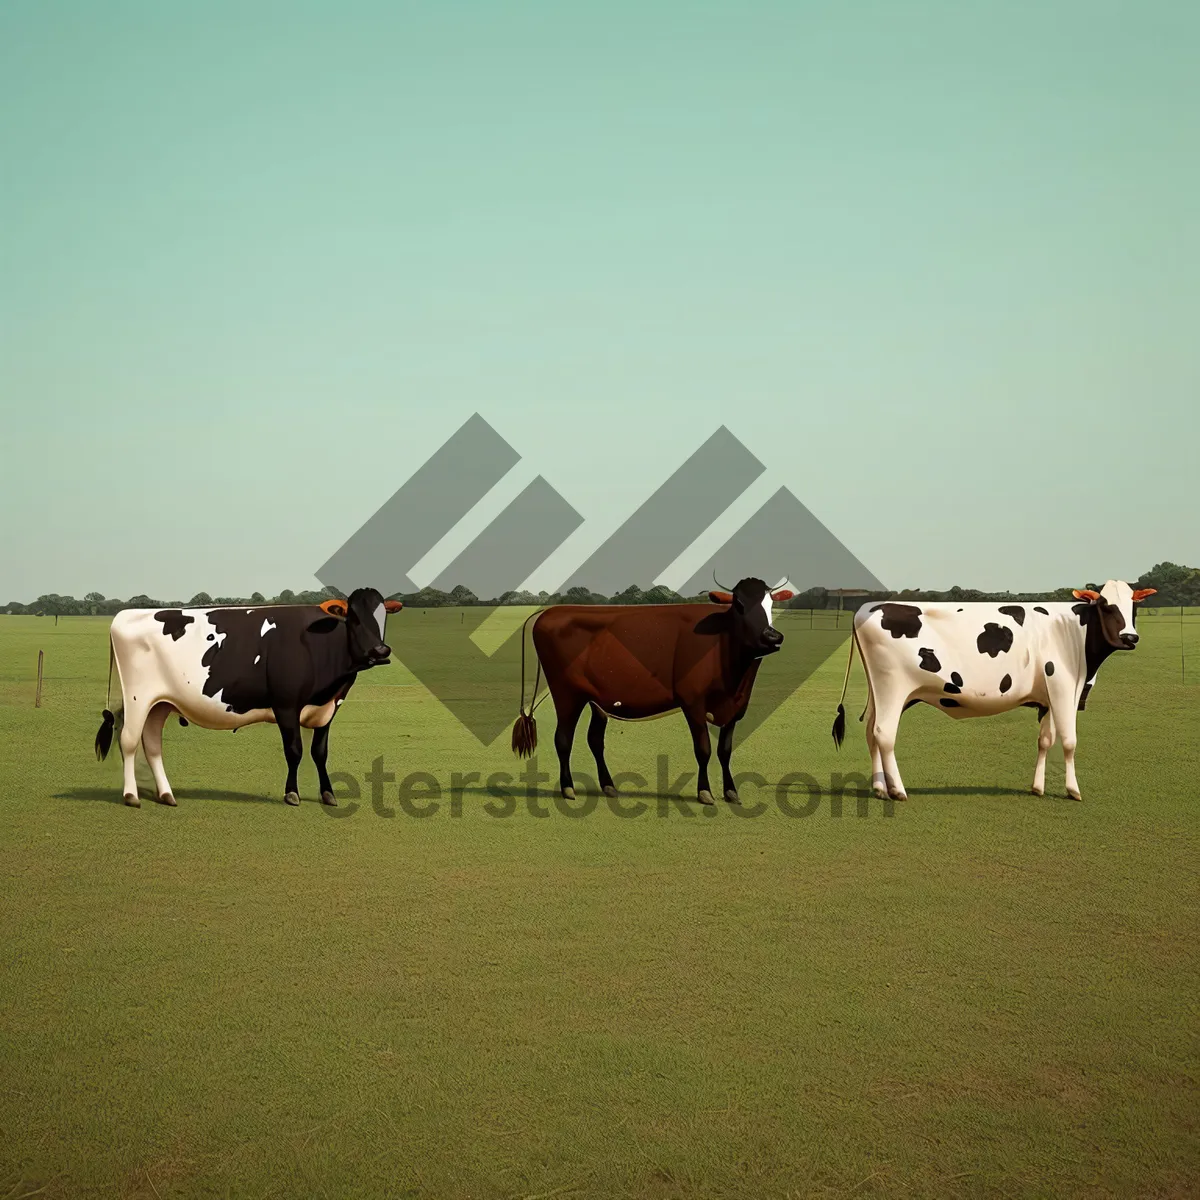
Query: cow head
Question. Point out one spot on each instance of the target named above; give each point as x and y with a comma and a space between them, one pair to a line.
750, 606
365, 612
1115, 607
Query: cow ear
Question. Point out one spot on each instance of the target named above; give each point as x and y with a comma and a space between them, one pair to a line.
1142, 593
335, 608
392, 605
1086, 594
721, 597
782, 595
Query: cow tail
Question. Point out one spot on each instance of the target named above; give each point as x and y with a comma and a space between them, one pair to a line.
104, 735
524, 733
839, 722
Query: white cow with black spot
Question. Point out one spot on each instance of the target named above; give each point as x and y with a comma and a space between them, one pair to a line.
975, 660
223, 668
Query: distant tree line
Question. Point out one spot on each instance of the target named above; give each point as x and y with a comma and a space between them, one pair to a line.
96, 605
460, 596
1176, 585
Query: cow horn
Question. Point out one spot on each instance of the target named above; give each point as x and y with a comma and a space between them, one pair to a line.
778, 585
719, 584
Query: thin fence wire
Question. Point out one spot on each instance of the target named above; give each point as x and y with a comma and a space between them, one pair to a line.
1185, 619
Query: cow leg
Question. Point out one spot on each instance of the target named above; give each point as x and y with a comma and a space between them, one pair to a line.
885, 728
288, 721
703, 749
152, 745
134, 720
1062, 713
595, 737
1046, 735
878, 780
724, 753
568, 711
320, 752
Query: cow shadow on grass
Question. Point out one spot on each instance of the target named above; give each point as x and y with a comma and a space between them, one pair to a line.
552, 796
108, 795
976, 791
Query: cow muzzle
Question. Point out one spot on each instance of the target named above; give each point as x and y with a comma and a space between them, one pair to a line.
380, 655
1130, 640
772, 639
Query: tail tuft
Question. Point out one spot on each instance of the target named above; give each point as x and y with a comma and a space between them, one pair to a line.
839, 722
839, 726
524, 735
104, 736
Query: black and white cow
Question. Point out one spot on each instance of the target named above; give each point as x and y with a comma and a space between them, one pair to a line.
974, 660
222, 668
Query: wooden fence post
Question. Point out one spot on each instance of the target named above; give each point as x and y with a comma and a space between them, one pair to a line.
37, 700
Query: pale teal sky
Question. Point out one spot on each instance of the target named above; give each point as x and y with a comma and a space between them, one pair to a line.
936, 264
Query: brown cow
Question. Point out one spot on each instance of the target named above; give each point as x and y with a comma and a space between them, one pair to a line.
637, 661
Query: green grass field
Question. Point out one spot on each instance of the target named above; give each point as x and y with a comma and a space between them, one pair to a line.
984, 994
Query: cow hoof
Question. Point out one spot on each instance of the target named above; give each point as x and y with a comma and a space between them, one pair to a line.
898, 795
610, 791
1038, 791
1074, 795
568, 793
291, 798
133, 801
167, 799
705, 797
732, 797
881, 793
329, 798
